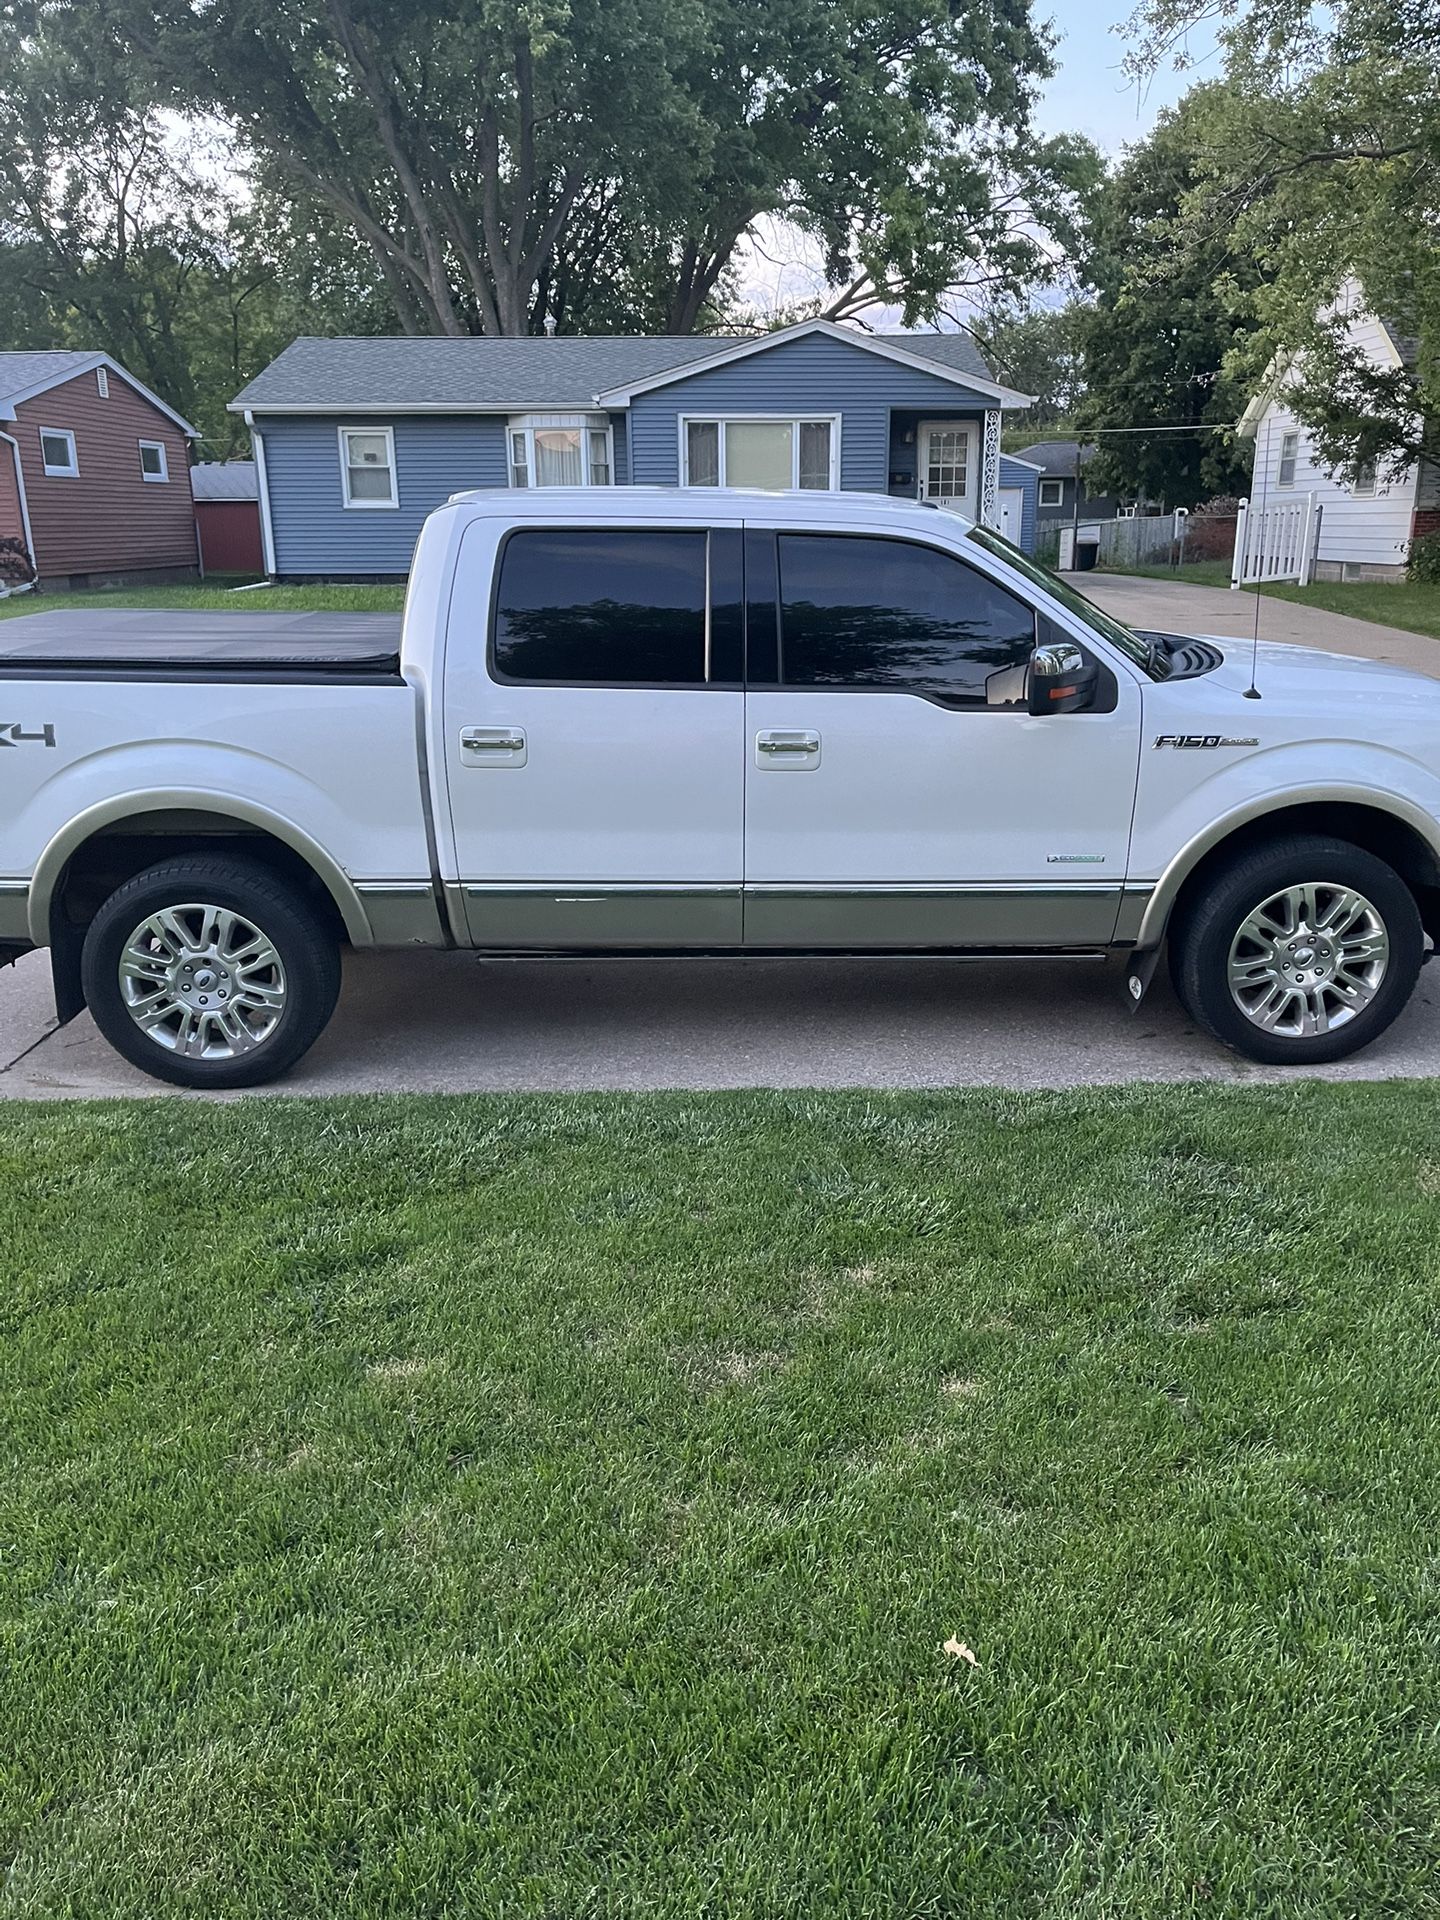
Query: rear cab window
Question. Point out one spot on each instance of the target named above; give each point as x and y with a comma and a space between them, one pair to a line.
617, 607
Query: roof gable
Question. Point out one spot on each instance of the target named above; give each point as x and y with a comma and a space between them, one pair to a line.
951, 357
26, 374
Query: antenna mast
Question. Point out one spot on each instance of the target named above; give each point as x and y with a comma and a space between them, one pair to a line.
1252, 692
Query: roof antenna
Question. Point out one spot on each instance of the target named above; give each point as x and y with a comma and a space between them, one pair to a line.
1252, 692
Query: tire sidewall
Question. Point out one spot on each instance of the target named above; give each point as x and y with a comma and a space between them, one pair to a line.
1206, 941
308, 955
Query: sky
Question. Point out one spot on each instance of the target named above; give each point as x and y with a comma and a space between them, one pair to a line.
1090, 94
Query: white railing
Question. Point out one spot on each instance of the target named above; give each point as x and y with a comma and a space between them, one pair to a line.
1275, 541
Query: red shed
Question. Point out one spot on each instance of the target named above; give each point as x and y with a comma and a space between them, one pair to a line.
94, 471
227, 512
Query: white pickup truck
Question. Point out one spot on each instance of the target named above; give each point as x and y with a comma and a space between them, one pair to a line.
636, 720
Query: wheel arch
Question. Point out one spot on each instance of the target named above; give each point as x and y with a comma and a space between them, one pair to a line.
1393, 828
119, 837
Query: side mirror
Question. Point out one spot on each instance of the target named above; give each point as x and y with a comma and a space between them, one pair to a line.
1062, 679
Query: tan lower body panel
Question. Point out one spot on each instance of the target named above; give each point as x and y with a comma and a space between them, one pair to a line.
917, 917
614, 918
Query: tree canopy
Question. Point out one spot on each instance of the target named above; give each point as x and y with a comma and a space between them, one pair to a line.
1316, 164
600, 161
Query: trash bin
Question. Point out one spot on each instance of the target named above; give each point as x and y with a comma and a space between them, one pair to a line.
1087, 552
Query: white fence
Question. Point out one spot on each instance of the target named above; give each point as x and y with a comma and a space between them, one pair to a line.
1275, 541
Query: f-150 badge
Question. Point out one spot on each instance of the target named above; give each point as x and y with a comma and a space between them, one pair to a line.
14, 733
1198, 742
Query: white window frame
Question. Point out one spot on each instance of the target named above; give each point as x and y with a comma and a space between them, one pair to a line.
525, 425
1359, 491
102, 383
72, 472
1059, 499
155, 446
792, 420
1290, 439
368, 506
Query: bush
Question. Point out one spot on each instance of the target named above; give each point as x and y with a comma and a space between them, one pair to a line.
1424, 563
16, 567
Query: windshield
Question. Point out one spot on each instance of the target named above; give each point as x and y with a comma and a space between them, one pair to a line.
1130, 643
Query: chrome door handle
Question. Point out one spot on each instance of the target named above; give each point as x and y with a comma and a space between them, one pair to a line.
491, 739
493, 747
788, 743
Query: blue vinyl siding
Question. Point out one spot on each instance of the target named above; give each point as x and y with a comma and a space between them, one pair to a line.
621, 441
315, 532
812, 375
1012, 474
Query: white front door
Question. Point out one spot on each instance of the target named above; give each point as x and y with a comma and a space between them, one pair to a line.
948, 459
594, 737
898, 792
1012, 511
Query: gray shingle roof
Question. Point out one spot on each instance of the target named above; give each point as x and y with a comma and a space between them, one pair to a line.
224, 480
529, 372
1055, 458
25, 369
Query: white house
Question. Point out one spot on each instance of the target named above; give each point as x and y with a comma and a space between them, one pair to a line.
1366, 528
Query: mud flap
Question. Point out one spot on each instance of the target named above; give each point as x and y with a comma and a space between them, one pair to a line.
1139, 973
65, 944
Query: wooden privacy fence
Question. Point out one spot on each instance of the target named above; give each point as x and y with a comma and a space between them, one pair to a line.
1276, 541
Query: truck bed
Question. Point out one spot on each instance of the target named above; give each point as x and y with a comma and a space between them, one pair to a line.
172, 643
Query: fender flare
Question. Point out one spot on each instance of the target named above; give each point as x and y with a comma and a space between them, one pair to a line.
1373, 800
129, 806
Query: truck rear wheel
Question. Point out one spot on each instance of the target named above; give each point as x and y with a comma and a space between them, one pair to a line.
210, 972
1301, 952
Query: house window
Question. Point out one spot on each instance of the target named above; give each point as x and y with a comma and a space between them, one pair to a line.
367, 467
561, 450
102, 383
57, 450
153, 463
1365, 479
760, 452
1289, 449
1052, 493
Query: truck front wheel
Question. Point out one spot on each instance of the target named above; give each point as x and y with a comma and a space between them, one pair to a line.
210, 972
1302, 951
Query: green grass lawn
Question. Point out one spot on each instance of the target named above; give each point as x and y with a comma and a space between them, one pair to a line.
1406, 604
329, 599
557, 1507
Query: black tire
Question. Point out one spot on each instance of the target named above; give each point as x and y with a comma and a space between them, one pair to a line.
308, 953
1202, 936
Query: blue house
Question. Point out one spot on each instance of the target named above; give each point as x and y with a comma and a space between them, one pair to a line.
356, 440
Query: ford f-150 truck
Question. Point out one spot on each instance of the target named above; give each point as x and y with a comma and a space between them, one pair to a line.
661, 721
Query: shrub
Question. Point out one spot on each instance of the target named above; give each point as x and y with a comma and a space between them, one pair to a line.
1424, 563
16, 567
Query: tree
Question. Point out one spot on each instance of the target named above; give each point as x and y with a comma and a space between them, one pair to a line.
118, 231
511, 159
1038, 350
1320, 163
1156, 343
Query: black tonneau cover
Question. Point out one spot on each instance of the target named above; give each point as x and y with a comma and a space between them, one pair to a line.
170, 642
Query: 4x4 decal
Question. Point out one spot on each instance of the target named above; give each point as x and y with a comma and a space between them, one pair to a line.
13, 733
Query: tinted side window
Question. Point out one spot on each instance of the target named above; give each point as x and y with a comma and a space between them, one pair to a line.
603, 606
862, 612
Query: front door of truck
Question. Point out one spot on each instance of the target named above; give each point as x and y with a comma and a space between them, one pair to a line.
594, 734
899, 794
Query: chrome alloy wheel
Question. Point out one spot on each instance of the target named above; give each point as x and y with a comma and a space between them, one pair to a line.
1308, 959
202, 981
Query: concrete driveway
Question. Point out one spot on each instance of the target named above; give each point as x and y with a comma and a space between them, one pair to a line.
1187, 609
451, 1023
